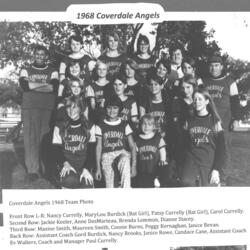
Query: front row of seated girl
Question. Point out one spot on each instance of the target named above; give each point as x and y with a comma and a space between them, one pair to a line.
122, 155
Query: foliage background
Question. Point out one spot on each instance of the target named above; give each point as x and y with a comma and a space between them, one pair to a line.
17, 41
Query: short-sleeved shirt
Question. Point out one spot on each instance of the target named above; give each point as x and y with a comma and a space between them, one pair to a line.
144, 65
98, 92
129, 110
181, 111
137, 91
158, 111
74, 144
34, 99
148, 153
219, 89
202, 136
114, 135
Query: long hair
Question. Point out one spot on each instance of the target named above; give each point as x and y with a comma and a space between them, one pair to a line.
191, 61
190, 79
132, 64
69, 83
152, 75
116, 38
144, 39
72, 102
73, 63
211, 108
194, 63
166, 64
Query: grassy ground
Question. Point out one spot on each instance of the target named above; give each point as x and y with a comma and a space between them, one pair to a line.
239, 173
12, 171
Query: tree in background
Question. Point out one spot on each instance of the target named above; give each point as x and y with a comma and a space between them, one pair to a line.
197, 42
17, 40
10, 94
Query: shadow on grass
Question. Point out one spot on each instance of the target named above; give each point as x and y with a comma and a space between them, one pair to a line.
8, 163
13, 171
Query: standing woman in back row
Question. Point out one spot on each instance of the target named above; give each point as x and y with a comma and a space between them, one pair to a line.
143, 57
205, 154
112, 55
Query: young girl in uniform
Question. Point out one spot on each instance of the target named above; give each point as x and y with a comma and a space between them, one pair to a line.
112, 136
135, 87
113, 56
182, 109
151, 154
205, 154
97, 91
129, 112
143, 57
157, 104
182, 106
76, 54
75, 87
163, 70
74, 134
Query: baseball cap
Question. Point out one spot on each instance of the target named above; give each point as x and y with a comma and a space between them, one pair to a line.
215, 59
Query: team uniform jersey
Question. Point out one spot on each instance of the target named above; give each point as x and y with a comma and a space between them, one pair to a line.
144, 65
74, 145
158, 111
34, 99
202, 155
136, 91
181, 111
202, 137
114, 135
98, 92
129, 110
148, 153
113, 63
219, 89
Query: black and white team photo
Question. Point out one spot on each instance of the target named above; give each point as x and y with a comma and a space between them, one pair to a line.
121, 106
